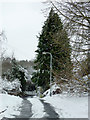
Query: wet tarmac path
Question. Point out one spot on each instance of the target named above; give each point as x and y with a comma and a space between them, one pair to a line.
49, 110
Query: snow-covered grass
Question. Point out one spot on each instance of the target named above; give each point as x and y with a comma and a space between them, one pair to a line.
9, 105
66, 105
69, 106
37, 108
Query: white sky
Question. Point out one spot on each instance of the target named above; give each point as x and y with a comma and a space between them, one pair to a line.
22, 21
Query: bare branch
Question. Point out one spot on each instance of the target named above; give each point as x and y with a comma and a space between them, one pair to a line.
3, 111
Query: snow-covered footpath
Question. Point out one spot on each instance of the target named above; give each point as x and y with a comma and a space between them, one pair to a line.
69, 106
9, 105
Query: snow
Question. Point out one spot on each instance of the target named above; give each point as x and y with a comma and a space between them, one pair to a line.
69, 106
10, 105
66, 105
37, 108
6, 85
53, 88
27, 75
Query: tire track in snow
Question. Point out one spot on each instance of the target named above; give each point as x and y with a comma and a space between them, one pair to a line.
49, 110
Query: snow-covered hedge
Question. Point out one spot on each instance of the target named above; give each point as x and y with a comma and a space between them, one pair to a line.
73, 87
6, 86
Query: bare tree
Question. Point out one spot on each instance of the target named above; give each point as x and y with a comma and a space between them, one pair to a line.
2, 39
76, 19
2, 50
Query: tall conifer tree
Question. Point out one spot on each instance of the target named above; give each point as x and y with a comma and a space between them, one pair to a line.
47, 43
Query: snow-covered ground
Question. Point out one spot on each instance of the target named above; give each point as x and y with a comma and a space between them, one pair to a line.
9, 106
69, 106
65, 105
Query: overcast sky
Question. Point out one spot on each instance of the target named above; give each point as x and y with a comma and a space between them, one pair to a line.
22, 21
